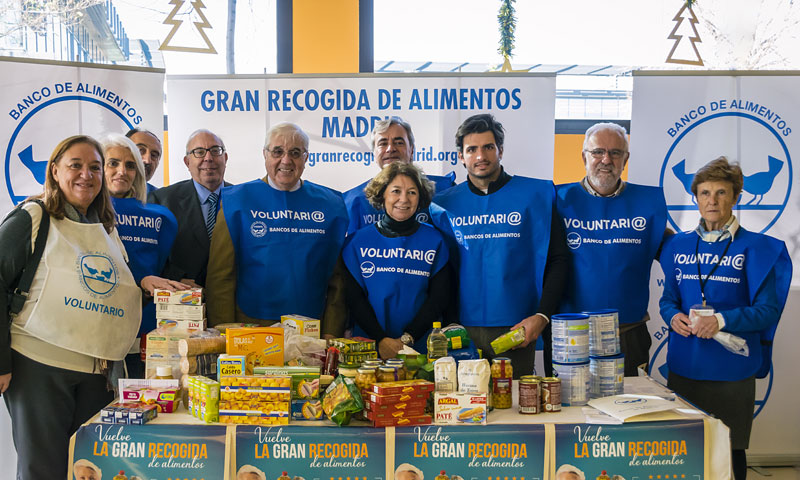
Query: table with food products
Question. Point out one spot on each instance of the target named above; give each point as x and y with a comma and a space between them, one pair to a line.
250, 402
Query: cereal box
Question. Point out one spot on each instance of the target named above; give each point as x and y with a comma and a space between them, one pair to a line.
310, 327
262, 346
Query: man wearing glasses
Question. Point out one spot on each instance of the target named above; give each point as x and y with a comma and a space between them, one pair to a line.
392, 141
195, 204
277, 241
614, 231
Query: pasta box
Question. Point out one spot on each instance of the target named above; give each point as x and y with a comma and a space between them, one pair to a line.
402, 386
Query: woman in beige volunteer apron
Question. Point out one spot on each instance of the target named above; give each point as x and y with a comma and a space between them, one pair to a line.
82, 313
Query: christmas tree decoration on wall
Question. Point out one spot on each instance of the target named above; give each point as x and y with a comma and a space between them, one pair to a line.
185, 44
684, 50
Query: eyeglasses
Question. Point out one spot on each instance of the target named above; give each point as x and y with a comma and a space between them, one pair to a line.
279, 152
200, 152
599, 153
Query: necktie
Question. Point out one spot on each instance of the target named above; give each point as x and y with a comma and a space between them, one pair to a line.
211, 218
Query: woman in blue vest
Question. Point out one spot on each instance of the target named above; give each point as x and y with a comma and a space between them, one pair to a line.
721, 278
146, 230
399, 282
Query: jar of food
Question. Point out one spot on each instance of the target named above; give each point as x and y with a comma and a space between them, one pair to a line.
400, 366
529, 394
502, 375
349, 370
365, 377
373, 362
387, 374
551, 394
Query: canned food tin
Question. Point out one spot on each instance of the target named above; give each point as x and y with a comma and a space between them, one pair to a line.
574, 382
570, 337
529, 393
551, 394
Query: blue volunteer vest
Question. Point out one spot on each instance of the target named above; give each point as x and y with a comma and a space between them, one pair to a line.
362, 213
286, 245
613, 242
395, 272
743, 271
501, 242
148, 232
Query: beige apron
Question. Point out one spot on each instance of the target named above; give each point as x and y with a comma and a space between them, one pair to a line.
89, 302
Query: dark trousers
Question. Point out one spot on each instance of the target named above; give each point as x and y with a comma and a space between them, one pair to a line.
635, 344
47, 405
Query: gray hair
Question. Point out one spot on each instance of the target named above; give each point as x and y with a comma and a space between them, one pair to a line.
384, 125
198, 132
614, 127
139, 185
288, 129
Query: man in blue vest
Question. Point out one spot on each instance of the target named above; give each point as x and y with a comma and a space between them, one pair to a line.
614, 230
508, 245
392, 141
276, 241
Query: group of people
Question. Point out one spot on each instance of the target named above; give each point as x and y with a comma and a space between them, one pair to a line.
388, 258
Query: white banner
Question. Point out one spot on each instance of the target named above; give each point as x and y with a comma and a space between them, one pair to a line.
338, 114
46, 102
681, 122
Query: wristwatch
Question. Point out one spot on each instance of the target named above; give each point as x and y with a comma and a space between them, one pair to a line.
407, 339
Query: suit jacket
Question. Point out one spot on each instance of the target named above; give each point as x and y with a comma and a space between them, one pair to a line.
189, 255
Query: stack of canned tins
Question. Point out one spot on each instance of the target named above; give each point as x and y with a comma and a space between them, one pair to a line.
606, 363
571, 356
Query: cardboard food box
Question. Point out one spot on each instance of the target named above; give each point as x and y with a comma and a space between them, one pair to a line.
307, 409
310, 327
255, 400
459, 408
180, 312
305, 380
192, 296
262, 346
161, 346
180, 327
128, 413
375, 415
394, 407
351, 345
402, 386
164, 393
228, 365
393, 399
402, 422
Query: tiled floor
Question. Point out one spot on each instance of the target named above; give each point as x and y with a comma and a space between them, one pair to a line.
777, 473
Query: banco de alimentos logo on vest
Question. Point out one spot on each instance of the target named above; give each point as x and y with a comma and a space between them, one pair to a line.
751, 140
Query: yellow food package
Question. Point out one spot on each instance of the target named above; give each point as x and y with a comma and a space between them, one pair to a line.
310, 327
261, 346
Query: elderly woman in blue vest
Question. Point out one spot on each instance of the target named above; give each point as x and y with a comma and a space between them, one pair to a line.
399, 282
722, 278
82, 313
146, 230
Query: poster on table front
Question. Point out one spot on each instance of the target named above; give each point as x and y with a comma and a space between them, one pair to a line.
45, 102
338, 114
308, 453
150, 452
467, 452
631, 451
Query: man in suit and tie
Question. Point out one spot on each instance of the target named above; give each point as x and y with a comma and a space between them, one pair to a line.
195, 204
